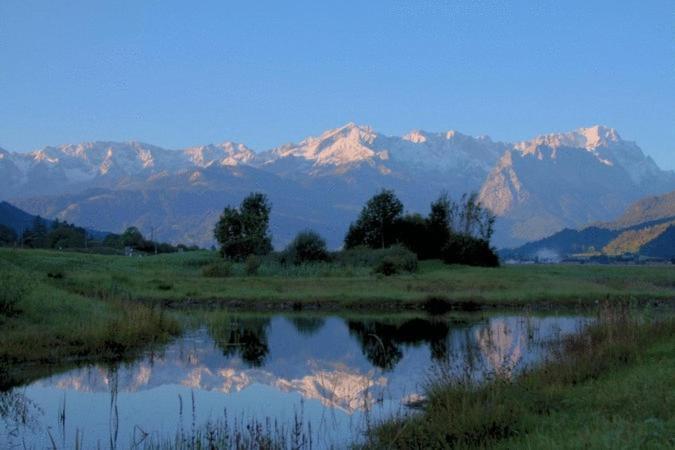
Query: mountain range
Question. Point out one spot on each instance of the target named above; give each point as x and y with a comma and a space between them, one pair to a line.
536, 187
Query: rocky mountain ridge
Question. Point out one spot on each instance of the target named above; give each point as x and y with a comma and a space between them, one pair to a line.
536, 187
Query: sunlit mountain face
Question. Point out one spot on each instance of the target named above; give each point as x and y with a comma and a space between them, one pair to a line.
336, 373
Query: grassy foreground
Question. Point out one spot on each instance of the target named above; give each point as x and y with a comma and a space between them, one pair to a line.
612, 387
178, 280
42, 322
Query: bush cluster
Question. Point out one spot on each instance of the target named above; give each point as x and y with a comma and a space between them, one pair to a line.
394, 260
462, 249
307, 247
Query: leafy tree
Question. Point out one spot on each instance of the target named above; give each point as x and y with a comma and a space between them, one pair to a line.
439, 225
39, 226
36, 237
244, 231
132, 237
64, 235
7, 236
376, 224
307, 246
472, 219
412, 232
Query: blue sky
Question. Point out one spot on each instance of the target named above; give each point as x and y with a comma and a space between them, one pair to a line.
265, 73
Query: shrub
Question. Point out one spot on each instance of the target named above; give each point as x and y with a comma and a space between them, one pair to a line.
222, 269
395, 260
463, 249
14, 288
307, 246
252, 264
389, 265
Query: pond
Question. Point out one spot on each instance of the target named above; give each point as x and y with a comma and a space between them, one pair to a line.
330, 377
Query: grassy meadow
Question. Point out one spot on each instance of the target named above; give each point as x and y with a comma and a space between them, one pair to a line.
46, 327
196, 278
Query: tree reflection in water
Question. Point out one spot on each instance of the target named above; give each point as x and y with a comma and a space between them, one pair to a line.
307, 326
381, 342
243, 337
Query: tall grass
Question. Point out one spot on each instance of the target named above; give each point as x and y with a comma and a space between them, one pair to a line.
239, 434
459, 413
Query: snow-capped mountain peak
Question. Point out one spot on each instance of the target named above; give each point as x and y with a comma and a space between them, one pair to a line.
416, 136
226, 154
347, 145
598, 136
540, 185
589, 139
602, 142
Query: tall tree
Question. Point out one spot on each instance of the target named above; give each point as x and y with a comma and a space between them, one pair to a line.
245, 231
376, 224
474, 219
36, 237
439, 225
132, 237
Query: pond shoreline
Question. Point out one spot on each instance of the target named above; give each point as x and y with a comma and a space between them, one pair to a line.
432, 306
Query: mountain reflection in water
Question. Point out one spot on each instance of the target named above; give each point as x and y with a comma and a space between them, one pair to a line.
337, 370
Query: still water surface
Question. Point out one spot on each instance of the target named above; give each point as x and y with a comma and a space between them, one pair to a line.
338, 374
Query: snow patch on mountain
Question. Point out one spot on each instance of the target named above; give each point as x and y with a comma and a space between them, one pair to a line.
225, 154
602, 142
347, 145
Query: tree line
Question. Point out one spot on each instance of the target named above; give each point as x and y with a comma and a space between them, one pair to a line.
63, 235
458, 232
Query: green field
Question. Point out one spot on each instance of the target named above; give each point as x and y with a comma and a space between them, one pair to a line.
177, 280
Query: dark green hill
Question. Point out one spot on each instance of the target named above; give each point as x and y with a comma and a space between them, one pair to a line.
19, 220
